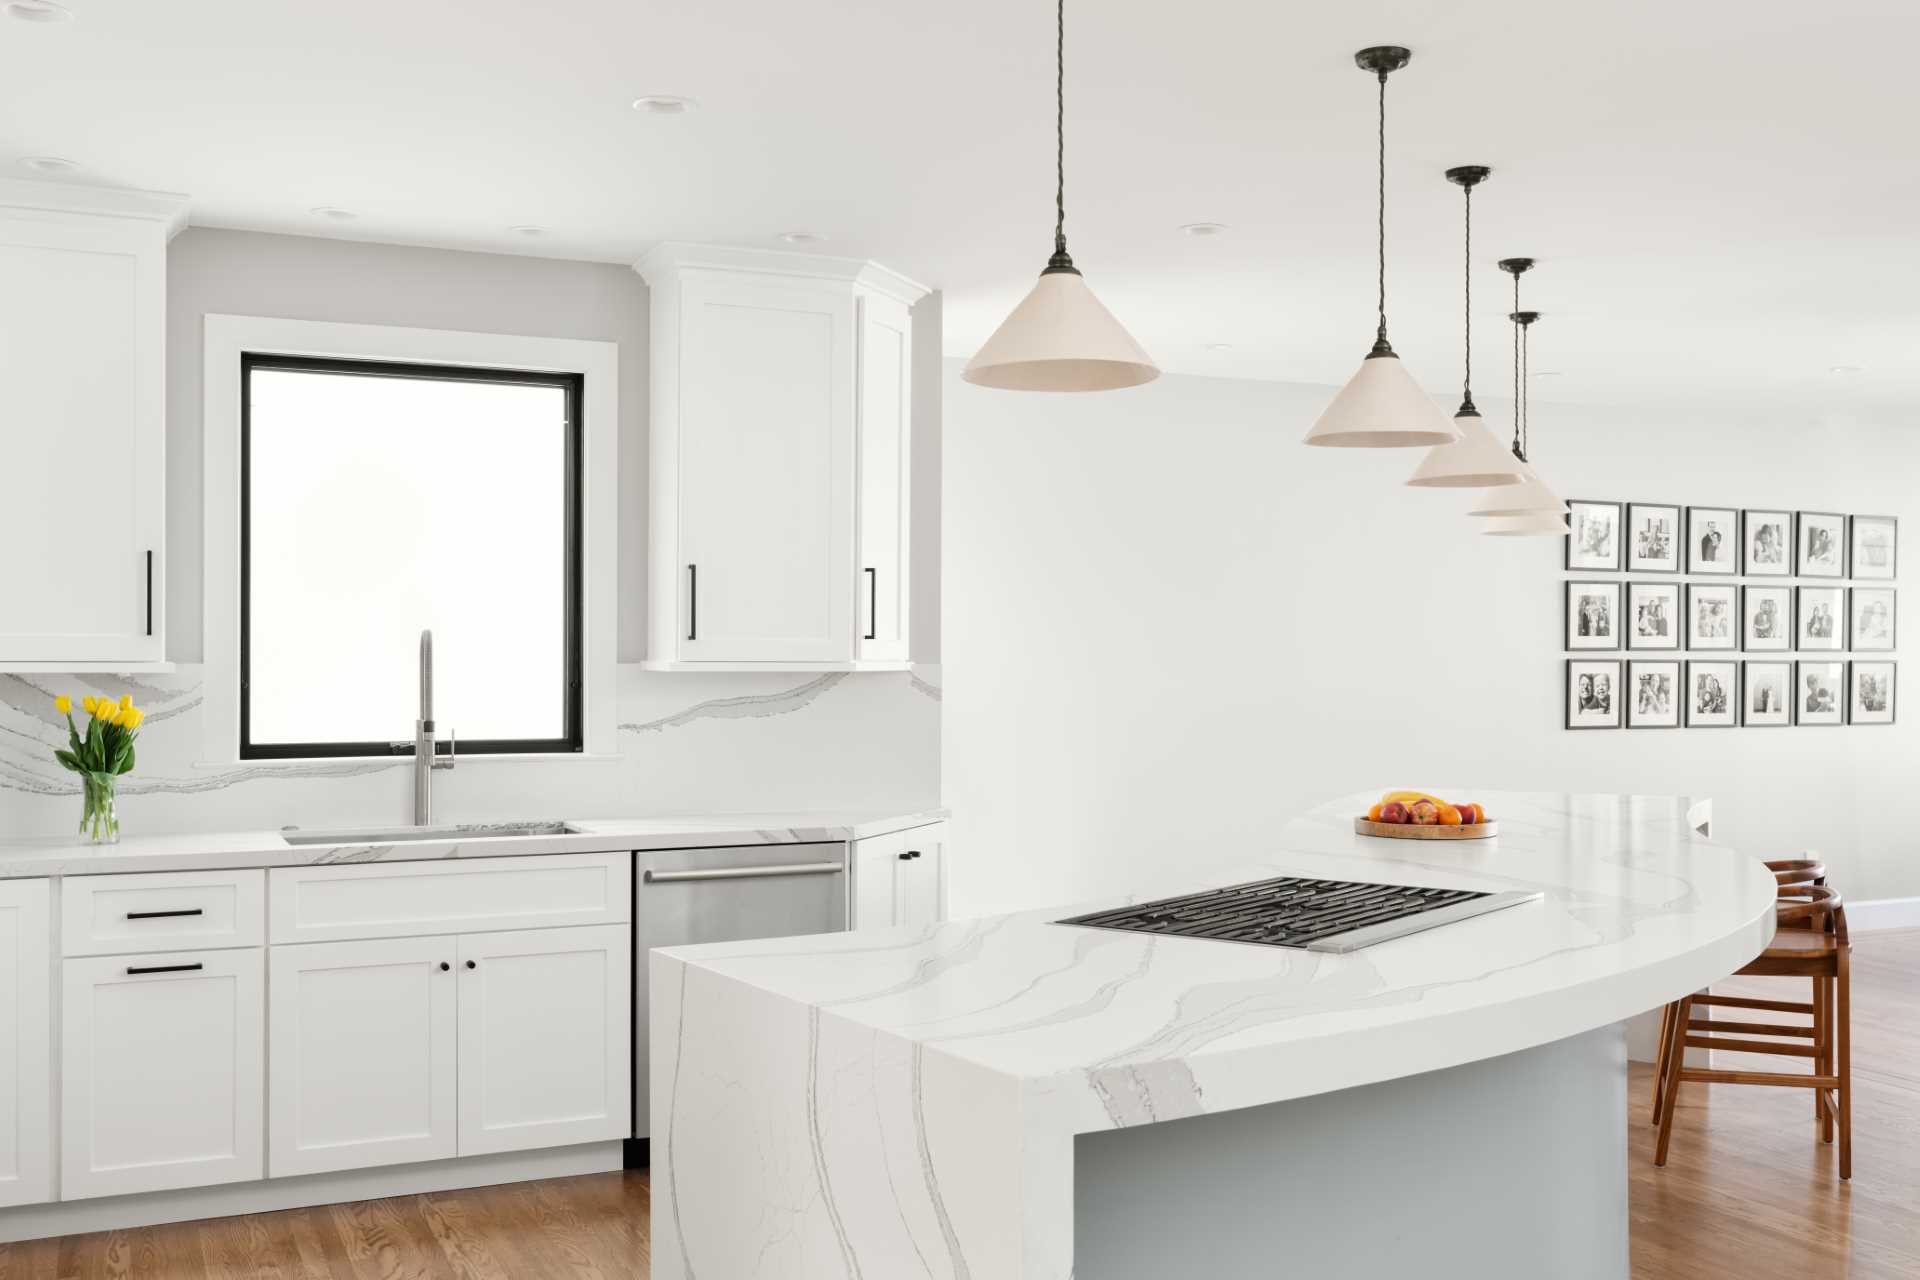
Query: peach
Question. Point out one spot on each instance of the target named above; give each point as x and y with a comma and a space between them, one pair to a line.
1393, 811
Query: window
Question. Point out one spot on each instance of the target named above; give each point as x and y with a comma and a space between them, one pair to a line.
379, 500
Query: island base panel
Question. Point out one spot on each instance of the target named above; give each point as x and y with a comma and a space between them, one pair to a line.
1515, 1166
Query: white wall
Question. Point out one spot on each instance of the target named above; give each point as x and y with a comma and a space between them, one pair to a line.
1168, 624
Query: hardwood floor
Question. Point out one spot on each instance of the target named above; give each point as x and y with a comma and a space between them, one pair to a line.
1749, 1192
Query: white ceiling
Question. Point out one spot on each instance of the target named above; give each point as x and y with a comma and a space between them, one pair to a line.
1723, 197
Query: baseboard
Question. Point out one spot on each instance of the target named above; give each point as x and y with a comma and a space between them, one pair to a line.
108, 1213
1883, 913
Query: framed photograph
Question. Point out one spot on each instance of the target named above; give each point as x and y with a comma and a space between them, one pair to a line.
1871, 619
1593, 694
1766, 544
1817, 694
1593, 536
1653, 615
1653, 695
1712, 693
1766, 694
1766, 619
1875, 547
1821, 546
1653, 538
1713, 540
1822, 620
1593, 615
1710, 613
1870, 693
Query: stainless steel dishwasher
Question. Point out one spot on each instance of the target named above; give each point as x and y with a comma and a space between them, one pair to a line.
684, 896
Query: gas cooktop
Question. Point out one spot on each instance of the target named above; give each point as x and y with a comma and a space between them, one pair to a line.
1293, 911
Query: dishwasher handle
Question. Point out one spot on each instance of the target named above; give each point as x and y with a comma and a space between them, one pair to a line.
651, 876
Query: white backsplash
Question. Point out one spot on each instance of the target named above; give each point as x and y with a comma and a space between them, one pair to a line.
688, 743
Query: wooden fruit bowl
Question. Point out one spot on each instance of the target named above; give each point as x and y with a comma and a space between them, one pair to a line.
1410, 831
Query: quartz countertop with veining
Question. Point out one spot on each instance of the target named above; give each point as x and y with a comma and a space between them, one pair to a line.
203, 851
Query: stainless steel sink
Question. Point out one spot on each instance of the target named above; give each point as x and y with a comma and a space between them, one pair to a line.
415, 835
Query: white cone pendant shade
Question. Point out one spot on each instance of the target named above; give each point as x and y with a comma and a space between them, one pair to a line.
1529, 497
1477, 460
1382, 408
1060, 338
1540, 524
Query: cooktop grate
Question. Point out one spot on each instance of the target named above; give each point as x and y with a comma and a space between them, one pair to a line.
1309, 914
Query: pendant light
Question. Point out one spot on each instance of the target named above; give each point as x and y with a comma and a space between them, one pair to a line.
1477, 459
1531, 497
1381, 407
1060, 337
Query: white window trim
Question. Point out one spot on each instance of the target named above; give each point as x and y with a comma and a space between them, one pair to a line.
226, 337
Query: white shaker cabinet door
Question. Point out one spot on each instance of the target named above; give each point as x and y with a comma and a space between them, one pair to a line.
885, 462
161, 1071
363, 1054
26, 1051
546, 1039
919, 886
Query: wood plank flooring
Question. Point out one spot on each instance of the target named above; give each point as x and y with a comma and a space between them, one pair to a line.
1748, 1193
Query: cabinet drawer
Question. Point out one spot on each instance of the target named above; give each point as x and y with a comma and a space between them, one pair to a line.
410, 899
161, 911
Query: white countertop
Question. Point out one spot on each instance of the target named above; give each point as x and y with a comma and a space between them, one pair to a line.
1029, 1031
202, 851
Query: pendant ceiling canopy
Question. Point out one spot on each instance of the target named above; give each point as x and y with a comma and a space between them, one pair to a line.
1060, 337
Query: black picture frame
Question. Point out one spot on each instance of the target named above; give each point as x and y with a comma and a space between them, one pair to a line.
1732, 691
1616, 589
1747, 670
1698, 567
1733, 618
1619, 706
1853, 548
1677, 620
1631, 692
1574, 507
1853, 691
1853, 620
1675, 549
1802, 617
1789, 635
1840, 694
1749, 519
1800, 557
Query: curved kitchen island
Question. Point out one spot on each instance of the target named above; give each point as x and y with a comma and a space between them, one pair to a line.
1012, 1097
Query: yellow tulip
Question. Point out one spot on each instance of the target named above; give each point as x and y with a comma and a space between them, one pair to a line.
126, 701
132, 717
63, 704
88, 702
103, 710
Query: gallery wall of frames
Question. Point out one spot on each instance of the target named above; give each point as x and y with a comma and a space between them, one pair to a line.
1727, 617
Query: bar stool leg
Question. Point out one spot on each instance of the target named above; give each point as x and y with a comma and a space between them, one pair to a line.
1660, 1061
1676, 1059
1843, 1045
1824, 1101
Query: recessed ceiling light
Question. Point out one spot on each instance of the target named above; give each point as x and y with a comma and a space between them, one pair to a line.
527, 229
1201, 230
1844, 370
801, 237
1219, 346
663, 104
1546, 373
334, 212
49, 164
39, 11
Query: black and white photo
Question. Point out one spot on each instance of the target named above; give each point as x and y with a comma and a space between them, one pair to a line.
1766, 619
1767, 544
1653, 615
1713, 540
1711, 692
1818, 697
1653, 538
1870, 693
1871, 621
1653, 693
1593, 694
1821, 545
1766, 700
1876, 548
1593, 536
1822, 621
1710, 615
1593, 615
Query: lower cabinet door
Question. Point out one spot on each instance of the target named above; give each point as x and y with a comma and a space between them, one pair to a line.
26, 1048
160, 1071
363, 1046
919, 884
546, 1038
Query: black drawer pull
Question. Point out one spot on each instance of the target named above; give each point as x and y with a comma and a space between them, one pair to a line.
163, 968
873, 605
693, 602
166, 915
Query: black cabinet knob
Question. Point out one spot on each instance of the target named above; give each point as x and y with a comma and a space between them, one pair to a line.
471, 965
444, 966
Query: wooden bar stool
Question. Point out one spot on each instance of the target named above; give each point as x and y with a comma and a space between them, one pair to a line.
1809, 942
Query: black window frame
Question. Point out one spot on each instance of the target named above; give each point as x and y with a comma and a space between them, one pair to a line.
572, 739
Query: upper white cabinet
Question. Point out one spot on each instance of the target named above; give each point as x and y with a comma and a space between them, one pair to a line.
780, 444
82, 425
26, 1052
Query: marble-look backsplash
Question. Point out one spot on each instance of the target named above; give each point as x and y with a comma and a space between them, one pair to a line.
688, 743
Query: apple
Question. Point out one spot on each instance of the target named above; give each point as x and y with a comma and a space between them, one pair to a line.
1424, 813
1393, 811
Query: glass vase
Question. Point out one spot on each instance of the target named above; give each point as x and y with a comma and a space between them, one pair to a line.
100, 811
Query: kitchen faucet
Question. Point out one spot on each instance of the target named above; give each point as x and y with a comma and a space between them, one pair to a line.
424, 758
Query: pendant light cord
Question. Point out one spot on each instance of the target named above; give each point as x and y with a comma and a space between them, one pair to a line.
1060, 258
1519, 448
1466, 379
1380, 341
1526, 389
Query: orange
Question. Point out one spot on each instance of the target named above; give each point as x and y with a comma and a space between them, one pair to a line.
1449, 816
1373, 814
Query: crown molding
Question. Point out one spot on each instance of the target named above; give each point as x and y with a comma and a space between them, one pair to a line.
167, 208
673, 256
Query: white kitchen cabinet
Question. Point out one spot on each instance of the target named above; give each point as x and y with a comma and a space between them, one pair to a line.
546, 1026
780, 440
82, 425
900, 878
363, 1037
26, 1049
161, 1071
